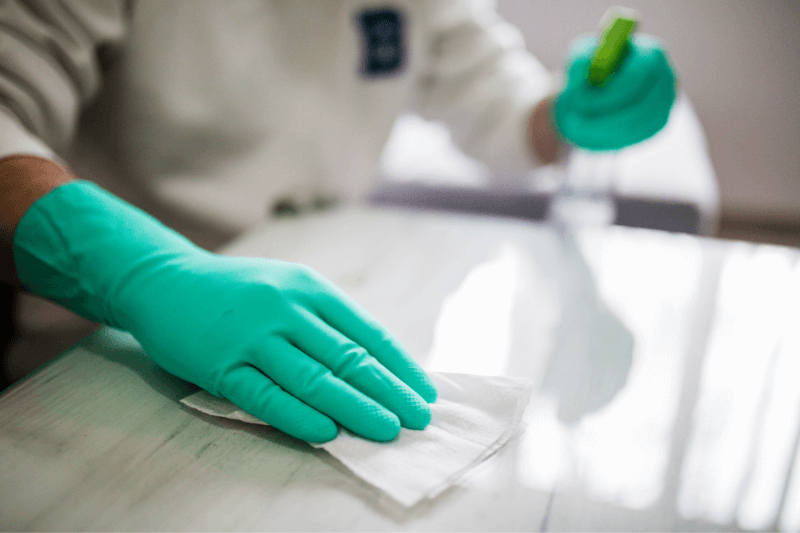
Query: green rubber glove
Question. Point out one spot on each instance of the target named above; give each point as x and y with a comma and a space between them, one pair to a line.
632, 105
275, 338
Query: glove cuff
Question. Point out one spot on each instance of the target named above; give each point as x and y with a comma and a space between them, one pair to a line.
80, 246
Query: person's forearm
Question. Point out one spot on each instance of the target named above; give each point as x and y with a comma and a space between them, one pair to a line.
542, 135
275, 338
23, 180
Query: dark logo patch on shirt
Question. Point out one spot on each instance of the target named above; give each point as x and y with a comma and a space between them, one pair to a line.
383, 42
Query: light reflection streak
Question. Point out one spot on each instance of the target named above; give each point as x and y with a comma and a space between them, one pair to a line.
473, 330
766, 493
620, 452
748, 410
545, 462
762, 497
788, 394
787, 399
651, 285
790, 517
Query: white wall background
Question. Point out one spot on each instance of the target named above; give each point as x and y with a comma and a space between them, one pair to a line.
739, 62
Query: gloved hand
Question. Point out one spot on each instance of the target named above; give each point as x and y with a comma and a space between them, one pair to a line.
275, 338
631, 106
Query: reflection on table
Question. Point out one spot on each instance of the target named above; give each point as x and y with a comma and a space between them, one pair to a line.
666, 182
667, 394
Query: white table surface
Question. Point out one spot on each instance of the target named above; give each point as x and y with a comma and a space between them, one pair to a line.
667, 395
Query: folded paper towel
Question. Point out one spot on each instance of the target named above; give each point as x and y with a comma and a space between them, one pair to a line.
473, 417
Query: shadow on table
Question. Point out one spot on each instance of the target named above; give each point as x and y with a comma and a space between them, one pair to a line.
593, 351
591, 361
121, 348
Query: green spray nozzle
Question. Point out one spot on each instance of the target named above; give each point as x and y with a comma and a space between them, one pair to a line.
613, 47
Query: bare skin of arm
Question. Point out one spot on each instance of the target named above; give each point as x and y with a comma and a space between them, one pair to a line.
542, 135
23, 180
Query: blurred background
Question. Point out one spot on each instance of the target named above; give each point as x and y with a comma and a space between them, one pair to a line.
739, 63
731, 152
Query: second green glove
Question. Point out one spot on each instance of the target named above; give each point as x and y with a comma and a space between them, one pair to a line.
631, 106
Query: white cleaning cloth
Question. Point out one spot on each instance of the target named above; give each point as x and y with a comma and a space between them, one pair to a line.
473, 417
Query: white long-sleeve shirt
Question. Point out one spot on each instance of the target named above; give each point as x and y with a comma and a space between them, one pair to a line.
221, 108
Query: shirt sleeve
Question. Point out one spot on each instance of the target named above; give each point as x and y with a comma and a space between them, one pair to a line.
482, 82
49, 68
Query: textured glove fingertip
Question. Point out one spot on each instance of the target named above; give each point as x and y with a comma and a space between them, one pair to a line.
419, 419
385, 429
316, 430
423, 385
428, 390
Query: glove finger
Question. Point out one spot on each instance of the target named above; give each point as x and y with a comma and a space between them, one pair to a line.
315, 385
352, 363
342, 313
258, 395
